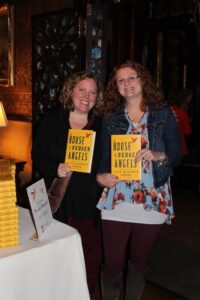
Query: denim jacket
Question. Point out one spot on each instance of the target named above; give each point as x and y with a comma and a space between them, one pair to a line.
163, 135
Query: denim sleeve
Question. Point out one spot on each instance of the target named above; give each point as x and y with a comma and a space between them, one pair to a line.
105, 160
172, 140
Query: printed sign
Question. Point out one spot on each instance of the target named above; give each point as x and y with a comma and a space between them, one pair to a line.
40, 207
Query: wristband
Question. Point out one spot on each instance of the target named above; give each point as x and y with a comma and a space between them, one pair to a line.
162, 159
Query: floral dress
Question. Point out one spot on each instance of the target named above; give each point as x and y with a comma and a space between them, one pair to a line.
140, 192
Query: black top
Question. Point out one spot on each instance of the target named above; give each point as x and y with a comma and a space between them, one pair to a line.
48, 151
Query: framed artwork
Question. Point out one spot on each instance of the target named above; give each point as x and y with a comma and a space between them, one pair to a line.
6, 45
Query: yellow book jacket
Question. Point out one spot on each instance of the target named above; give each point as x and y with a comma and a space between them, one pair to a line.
80, 148
123, 152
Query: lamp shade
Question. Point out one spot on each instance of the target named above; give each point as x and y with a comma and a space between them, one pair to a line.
3, 119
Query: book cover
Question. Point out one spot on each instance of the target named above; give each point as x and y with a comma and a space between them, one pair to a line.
80, 148
123, 152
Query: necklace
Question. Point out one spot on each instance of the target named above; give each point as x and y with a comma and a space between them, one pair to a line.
136, 118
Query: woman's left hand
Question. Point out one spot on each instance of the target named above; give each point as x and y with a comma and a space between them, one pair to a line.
149, 155
63, 170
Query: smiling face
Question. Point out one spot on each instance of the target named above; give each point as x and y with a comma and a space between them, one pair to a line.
84, 95
128, 83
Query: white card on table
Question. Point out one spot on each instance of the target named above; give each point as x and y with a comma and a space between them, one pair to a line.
40, 207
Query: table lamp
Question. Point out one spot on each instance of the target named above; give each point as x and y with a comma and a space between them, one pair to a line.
3, 119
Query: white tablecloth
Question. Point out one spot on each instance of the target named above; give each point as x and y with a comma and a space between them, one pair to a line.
52, 269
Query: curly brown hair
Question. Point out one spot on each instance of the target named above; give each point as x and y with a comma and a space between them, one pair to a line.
113, 101
68, 86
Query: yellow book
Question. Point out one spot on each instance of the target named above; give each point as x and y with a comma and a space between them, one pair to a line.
10, 188
80, 148
7, 183
7, 205
8, 227
8, 211
9, 244
7, 217
8, 241
7, 194
8, 233
123, 152
7, 165
11, 237
6, 200
9, 222
6, 177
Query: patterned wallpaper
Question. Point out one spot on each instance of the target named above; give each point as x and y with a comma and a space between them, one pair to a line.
18, 99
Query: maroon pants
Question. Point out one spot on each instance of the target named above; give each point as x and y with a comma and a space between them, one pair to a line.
91, 242
120, 237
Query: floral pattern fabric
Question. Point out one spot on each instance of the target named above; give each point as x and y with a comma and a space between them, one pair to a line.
140, 192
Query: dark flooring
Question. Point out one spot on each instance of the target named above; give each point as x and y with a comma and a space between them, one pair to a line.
151, 292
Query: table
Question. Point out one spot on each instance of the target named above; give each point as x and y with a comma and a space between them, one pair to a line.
52, 269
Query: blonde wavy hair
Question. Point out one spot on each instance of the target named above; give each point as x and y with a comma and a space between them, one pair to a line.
66, 92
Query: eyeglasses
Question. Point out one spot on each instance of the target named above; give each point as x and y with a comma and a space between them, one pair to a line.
130, 79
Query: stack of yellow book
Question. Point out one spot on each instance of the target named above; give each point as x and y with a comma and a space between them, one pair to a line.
9, 219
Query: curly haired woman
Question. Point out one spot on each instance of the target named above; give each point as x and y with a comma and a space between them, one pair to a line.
133, 212
80, 100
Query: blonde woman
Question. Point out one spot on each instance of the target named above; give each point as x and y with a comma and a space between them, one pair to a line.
80, 100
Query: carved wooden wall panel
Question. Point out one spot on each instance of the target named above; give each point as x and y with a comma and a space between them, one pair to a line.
56, 54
